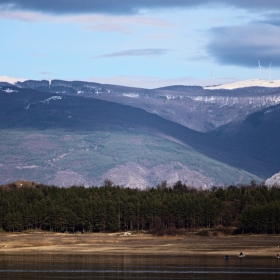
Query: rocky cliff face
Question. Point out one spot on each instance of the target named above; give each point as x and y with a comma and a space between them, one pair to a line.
43, 85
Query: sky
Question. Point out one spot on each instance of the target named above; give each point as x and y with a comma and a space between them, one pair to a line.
140, 43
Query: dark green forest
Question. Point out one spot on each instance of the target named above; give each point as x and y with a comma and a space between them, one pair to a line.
252, 208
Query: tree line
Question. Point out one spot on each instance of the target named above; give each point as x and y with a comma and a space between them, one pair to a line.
252, 208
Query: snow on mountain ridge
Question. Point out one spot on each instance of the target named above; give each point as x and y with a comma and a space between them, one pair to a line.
247, 83
11, 80
235, 85
273, 181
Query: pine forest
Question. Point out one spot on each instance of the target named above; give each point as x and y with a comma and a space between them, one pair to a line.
243, 209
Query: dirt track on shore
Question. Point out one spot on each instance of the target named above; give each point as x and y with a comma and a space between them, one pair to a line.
106, 243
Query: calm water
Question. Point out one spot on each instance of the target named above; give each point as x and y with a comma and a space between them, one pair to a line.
136, 267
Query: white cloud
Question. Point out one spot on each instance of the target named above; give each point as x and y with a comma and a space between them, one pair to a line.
23, 15
136, 52
11, 80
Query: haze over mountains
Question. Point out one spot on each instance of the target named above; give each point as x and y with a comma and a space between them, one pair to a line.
67, 133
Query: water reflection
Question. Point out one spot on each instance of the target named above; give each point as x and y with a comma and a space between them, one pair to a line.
119, 266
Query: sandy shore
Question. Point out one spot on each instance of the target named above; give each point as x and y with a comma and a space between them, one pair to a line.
106, 243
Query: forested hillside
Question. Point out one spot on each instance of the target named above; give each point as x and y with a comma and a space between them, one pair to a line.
249, 209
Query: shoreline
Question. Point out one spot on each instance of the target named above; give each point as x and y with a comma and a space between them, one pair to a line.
118, 243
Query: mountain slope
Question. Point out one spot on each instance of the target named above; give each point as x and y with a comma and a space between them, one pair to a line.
67, 140
258, 135
76, 113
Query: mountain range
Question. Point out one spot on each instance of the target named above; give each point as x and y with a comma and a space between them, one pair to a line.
66, 133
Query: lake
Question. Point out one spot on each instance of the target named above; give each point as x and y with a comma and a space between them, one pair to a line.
120, 266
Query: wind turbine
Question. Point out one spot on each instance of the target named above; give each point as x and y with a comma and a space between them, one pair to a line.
269, 71
260, 67
211, 75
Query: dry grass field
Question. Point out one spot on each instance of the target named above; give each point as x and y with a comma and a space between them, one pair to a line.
110, 243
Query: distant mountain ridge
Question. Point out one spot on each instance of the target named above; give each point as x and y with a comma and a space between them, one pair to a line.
192, 106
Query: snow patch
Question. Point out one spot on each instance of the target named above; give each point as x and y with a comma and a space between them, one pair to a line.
51, 98
273, 181
8, 90
170, 97
230, 100
132, 95
247, 83
27, 167
45, 101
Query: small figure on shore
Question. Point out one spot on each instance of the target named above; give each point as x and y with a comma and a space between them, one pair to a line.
241, 255
277, 256
227, 257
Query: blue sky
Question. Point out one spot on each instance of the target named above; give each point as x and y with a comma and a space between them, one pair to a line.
143, 43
